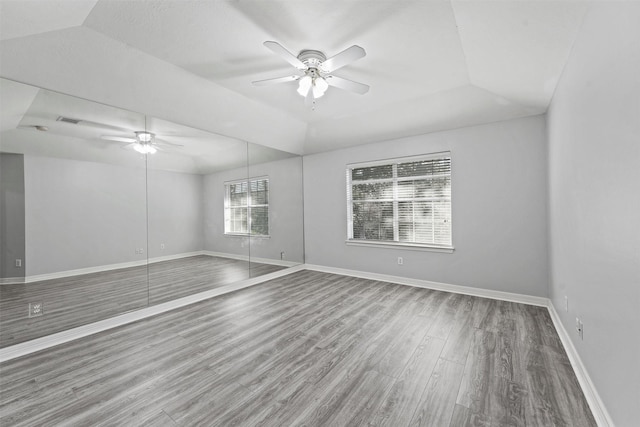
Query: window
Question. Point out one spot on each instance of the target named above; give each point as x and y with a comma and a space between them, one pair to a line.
403, 201
246, 207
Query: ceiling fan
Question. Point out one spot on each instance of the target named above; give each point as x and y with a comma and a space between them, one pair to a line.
144, 142
317, 71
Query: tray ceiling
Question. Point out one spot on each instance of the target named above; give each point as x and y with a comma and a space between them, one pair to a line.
431, 65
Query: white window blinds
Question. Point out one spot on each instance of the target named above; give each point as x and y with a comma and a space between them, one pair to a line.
246, 207
403, 201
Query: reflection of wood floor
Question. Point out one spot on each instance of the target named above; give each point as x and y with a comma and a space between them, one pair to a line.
78, 300
309, 349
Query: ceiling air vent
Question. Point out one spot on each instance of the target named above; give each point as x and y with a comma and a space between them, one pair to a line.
68, 120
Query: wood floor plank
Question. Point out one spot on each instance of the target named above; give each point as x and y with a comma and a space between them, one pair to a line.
572, 401
479, 311
206, 407
160, 419
400, 350
543, 404
465, 417
311, 349
478, 372
438, 400
239, 412
357, 405
460, 334
509, 363
403, 398
507, 402
433, 303
345, 362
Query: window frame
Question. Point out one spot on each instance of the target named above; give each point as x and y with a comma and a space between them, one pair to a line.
249, 206
434, 247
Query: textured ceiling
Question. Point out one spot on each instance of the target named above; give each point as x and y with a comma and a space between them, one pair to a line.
431, 65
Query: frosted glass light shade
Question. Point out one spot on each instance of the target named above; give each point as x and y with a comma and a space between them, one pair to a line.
305, 85
144, 148
320, 86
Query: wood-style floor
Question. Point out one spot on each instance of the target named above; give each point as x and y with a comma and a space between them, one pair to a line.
310, 349
78, 300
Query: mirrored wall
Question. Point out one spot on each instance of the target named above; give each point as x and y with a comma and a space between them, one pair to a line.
104, 211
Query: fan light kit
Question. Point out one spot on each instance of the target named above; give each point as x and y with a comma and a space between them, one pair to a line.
317, 69
145, 148
143, 143
143, 136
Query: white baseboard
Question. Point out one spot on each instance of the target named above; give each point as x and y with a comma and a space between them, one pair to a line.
107, 267
142, 262
478, 292
271, 261
48, 341
593, 398
11, 280
596, 404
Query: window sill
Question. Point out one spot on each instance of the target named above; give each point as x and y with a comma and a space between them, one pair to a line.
403, 246
247, 235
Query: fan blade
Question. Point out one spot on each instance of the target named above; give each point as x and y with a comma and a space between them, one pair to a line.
345, 57
285, 54
345, 84
117, 138
275, 81
105, 127
33, 127
165, 142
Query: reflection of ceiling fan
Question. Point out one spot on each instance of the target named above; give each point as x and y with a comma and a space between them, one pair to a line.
316, 71
40, 128
143, 142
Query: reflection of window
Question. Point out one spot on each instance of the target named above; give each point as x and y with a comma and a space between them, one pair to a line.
402, 201
246, 207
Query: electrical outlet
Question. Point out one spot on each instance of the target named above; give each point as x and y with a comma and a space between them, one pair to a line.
579, 328
400, 260
18, 263
161, 245
566, 303
281, 255
139, 251
36, 309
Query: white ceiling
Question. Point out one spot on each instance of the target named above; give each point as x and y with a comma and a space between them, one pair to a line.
431, 65
182, 148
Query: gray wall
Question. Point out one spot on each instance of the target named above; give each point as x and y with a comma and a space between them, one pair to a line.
84, 214
594, 181
286, 216
285, 212
499, 207
12, 244
176, 210
214, 238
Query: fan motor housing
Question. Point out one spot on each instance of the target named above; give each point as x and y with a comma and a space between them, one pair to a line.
312, 58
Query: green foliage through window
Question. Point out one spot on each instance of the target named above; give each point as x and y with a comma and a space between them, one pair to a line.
403, 201
246, 207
